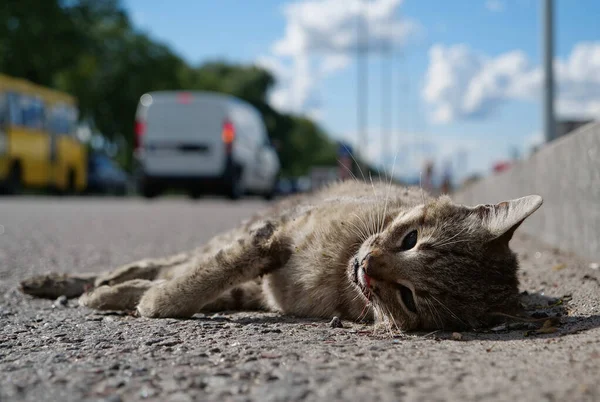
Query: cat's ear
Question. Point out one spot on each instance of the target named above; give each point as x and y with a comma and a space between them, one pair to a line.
502, 219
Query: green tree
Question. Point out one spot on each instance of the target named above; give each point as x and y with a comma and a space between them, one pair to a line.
90, 49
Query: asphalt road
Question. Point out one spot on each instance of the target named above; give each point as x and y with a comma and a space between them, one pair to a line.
54, 353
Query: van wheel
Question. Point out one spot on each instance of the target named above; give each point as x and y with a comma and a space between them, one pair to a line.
195, 194
236, 189
150, 191
270, 194
14, 183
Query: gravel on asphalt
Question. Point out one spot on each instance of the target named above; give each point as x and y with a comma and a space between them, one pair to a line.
54, 350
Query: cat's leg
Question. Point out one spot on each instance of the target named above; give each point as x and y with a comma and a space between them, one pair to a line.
126, 295
121, 297
53, 285
149, 269
165, 268
245, 297
249, 257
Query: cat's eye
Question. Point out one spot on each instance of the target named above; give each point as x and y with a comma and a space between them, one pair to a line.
407, 298
409, 241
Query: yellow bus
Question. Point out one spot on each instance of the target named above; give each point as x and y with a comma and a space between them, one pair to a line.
38, 143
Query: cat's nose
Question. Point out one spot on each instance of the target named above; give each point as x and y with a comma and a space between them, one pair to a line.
369, 262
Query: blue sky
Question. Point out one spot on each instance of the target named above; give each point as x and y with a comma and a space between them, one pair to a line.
465, 80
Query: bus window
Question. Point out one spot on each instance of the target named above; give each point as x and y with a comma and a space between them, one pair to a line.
72, 117
14, 107
32, 110
3, 123
54, 120
3, 110
62, 119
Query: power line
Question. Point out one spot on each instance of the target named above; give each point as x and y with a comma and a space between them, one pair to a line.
548, 46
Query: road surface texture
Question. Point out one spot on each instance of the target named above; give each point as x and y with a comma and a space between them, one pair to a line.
49, 352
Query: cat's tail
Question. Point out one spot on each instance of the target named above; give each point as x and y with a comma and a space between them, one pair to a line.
53, 285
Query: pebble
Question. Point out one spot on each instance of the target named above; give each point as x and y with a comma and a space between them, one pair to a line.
457, 336
594, 265
61, 301
336, 323
147, 392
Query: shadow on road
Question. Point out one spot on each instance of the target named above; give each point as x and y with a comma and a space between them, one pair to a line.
545, 317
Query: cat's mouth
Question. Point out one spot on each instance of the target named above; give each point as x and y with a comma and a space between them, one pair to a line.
360, 278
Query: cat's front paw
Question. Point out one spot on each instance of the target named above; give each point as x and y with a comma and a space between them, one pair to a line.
272, 243
157, 303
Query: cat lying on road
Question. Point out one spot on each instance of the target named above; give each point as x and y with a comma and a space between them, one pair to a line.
355, 250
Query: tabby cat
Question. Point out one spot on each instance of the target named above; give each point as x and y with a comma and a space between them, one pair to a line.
354, 250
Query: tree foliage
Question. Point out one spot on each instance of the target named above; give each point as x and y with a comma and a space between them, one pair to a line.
90, 49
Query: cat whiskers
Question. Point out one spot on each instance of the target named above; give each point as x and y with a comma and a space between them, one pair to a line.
384, 319
355, 161
435, 315
391, 319
359, 232
449, 241
364, 311
421, 186
387, 196
448, 310
373, 221
366, 231
453, 242
348, 170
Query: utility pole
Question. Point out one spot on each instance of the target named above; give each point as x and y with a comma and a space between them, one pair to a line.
548, 46
362, 52
386, 101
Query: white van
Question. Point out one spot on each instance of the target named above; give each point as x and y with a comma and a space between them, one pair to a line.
202, 142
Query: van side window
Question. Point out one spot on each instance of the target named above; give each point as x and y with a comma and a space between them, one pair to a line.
243, 118
256, 126
262, 135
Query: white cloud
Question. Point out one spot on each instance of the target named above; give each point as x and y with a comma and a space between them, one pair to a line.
579, 81
461, 83
319, 37
334, 63
495, 6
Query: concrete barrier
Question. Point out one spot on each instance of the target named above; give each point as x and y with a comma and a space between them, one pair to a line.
566, 173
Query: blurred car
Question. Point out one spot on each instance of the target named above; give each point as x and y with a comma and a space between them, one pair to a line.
104, 176
302, 184
203, 142
285, 187
501, 166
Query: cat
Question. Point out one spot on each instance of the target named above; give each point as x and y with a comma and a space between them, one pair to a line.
354, 250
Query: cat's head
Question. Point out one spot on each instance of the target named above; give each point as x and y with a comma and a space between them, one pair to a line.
443, 265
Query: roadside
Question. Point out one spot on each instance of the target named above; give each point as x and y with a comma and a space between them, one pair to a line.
54, 352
